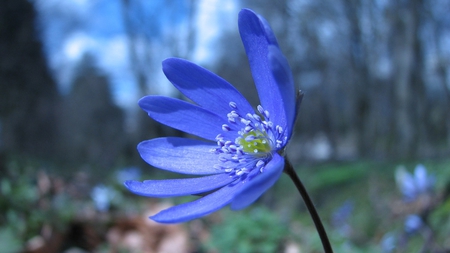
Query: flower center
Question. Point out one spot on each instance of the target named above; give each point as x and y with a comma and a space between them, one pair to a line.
257, 138
255, 142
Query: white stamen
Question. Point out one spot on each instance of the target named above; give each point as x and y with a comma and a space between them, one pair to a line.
279, 129
226, 128
259, 163
260, 109
244, 121
279, 143
250, 138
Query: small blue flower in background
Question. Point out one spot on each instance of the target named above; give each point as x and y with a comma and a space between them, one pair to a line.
413, 223
388, 242
340, 218
242, 155
102, 197
413, 185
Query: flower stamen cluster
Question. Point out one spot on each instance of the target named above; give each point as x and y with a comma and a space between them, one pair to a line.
257, 138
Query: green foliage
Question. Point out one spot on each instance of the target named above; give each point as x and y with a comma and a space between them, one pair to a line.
9, 241
24, 209
17, 195
331, 175
254, 230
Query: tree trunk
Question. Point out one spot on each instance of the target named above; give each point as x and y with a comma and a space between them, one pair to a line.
408, 90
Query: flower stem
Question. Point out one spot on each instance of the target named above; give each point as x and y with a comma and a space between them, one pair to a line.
289, 169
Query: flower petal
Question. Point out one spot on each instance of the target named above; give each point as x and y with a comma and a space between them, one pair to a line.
406, 184
257, 186
180, 155
256, 36
185, 116
178, 187
204, 87
421, 178
199, 207
283, 76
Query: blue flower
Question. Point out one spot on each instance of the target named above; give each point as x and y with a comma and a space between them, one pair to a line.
242, 154
340, 218
102, 196
388, 242
413, 224
414, 185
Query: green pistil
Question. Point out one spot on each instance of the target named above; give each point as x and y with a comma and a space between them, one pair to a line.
258, 144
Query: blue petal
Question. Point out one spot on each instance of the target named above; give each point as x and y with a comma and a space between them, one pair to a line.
199, 207
421, 178
406, 184
180, 155
256, 36
178, 187
257, 186
186, 117
270, 36
204, 87
283, 76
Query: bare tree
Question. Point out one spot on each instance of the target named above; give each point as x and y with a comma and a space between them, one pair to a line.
91, 125
28, 94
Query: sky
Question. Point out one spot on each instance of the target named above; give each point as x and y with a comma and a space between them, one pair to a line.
72, 28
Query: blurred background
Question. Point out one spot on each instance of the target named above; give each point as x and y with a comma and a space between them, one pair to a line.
372, 142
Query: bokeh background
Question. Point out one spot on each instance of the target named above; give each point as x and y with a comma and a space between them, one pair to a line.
376, 78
